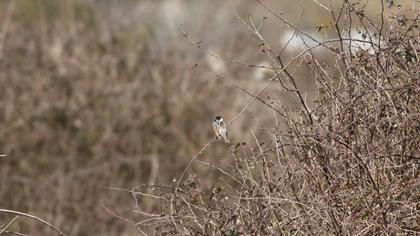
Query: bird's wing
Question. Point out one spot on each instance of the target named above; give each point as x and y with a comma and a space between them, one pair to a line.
215, 129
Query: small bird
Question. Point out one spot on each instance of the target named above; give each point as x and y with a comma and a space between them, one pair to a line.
220, 128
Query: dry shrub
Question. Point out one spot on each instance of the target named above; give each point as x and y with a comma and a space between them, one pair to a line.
89, 102
347, 166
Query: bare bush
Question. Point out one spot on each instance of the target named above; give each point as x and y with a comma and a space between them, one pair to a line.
349, 165
106, 118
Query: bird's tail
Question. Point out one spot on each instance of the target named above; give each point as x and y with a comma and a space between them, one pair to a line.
226, 138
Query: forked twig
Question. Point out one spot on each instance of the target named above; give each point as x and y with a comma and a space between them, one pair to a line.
32, 217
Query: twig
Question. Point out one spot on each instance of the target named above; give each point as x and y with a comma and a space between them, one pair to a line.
122, 218
8, 224
32, 217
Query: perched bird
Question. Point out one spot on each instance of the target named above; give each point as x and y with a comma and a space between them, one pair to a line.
220, 128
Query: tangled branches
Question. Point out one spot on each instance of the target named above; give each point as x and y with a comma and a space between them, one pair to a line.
347, 166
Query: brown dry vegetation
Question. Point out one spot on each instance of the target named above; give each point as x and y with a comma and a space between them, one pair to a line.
105, 114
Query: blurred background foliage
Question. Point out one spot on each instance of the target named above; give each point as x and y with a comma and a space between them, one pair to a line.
104, 93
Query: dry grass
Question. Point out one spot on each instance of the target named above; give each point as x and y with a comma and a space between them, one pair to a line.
101, 117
